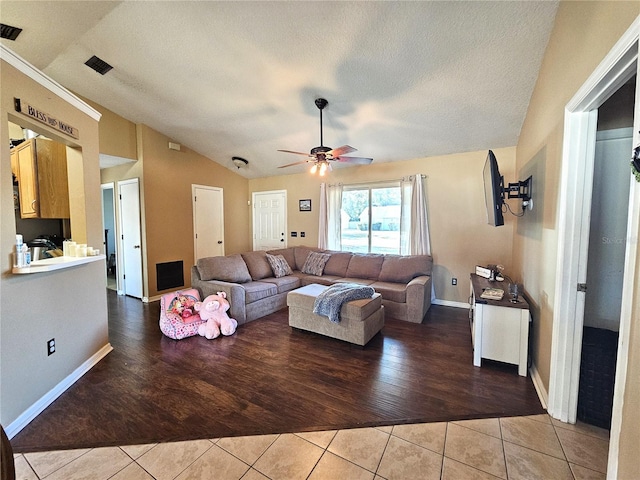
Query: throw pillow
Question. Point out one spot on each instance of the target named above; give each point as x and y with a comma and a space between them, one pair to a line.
279, 265
315, 262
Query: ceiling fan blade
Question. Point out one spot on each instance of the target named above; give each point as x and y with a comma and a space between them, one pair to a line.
295, 163
296, 153
355, 160
336, 152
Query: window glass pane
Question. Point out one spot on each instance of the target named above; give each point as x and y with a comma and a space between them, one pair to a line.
355, 220
371, 220
385, 220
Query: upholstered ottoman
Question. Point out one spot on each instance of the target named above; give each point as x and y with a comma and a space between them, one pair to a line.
360, 320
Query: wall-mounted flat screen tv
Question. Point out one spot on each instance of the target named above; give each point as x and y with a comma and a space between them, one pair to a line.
493, 190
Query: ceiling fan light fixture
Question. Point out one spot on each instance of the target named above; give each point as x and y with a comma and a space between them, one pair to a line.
323, 168
239, 162
314, 168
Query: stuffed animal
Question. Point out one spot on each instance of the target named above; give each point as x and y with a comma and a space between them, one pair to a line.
214, 309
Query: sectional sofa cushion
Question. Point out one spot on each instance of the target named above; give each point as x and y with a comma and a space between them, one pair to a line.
402, 269
255, 291
315, 262
257, 264
396, 292
284, 284
231, 268
365, 266
337, 264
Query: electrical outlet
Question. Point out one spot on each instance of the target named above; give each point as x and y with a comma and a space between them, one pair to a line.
454, 281
302, 234
51, 346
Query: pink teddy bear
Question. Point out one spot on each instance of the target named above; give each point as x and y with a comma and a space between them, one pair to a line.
213, 309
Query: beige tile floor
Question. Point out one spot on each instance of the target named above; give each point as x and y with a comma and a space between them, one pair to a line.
534, 447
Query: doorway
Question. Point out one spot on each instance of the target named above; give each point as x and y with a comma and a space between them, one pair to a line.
269, 220
575, 188
109, 245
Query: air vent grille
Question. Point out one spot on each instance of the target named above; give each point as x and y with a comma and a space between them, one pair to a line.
9, 32
98, 65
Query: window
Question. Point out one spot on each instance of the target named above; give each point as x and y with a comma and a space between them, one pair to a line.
370, 218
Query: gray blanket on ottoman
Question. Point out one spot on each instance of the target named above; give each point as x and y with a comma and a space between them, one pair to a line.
329, 302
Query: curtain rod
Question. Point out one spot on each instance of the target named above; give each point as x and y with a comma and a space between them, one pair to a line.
376, 182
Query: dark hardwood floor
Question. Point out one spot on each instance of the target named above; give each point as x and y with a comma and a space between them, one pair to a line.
268, 378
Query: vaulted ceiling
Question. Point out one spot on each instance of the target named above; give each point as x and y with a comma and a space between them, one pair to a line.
404, 80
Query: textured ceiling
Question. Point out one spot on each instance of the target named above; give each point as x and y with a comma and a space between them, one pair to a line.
404, 80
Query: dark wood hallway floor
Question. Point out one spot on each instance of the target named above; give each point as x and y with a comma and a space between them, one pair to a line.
268, 378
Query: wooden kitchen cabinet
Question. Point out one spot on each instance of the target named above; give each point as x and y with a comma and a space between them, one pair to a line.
42, 179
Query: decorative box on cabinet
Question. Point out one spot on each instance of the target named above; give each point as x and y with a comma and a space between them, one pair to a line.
499, 328
42, 179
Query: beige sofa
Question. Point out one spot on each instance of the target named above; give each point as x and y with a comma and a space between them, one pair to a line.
254, 291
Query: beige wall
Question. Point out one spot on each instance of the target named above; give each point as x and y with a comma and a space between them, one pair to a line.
165, 178
455, 204
583, 34
117, 134
28, 317
168, 176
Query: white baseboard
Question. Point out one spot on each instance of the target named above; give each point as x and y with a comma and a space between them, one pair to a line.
449, 303
37, 408
543, 395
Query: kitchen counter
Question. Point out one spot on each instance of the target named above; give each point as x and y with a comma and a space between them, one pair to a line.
56, 263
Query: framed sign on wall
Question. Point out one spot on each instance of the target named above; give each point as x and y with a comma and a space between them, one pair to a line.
305, 205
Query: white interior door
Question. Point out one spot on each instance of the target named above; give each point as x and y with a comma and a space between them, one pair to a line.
130, 263
269, 220
208, 221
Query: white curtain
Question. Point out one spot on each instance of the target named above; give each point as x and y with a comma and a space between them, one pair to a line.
334, 225
414, 227
419, 243
323, 220
418, 232
330, 226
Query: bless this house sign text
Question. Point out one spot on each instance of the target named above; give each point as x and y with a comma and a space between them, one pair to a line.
42, 117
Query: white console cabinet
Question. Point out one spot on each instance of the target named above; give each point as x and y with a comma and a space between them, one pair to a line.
499, 328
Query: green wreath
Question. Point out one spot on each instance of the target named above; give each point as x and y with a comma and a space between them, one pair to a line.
635, 171
635, 163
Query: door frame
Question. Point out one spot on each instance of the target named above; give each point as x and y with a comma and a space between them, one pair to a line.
193, 210
619, 65
284, 216
120, 246
111, 186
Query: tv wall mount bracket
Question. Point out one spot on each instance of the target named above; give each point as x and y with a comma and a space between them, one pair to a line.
522, 190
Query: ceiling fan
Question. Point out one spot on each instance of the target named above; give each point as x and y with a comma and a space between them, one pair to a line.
321, 156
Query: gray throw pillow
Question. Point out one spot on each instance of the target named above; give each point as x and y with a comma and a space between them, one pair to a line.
315, 262
279, 265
